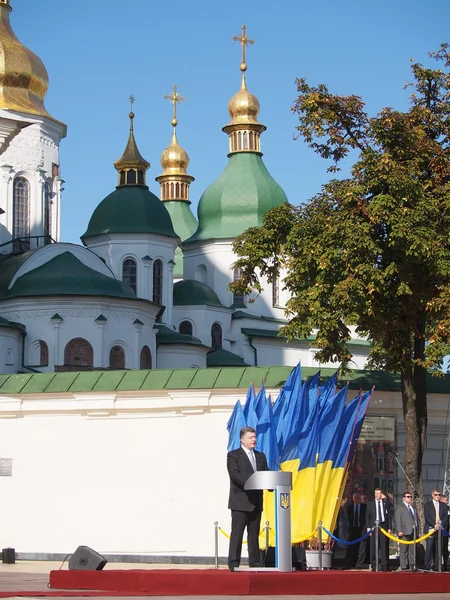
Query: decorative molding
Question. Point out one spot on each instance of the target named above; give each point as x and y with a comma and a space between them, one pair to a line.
26, 150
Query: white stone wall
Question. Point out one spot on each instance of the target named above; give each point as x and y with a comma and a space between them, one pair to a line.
183, 356
202, 319
133, 472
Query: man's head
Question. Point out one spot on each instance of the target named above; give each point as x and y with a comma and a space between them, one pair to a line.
407, 497
364, 498
444, 499
378, 493
248, 437
436, 495
356, 498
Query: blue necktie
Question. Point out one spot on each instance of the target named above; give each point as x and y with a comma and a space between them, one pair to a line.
380, 512
411, 512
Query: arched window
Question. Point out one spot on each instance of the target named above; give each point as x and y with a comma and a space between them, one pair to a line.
78, 353
158, 281
276, 291
47, 213
146, 358
185, 327
43, 354
117, 358
131, 177
238, 298
216, 336
201, 274
129, 273
21, 215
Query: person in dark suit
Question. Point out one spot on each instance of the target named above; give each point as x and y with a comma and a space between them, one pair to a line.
445, 566
378, 509
434, 513
246, 506
356, 516
406, 518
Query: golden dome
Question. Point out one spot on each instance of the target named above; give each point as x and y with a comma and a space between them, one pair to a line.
243, 106
23, 77
174, 159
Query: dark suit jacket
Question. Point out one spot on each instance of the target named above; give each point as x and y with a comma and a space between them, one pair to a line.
404, 521
429, 514
371, 514
362, 516
239, 470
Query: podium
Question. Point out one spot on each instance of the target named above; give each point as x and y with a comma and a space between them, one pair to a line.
281, 483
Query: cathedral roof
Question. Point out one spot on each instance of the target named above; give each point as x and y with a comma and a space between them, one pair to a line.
23, 76
194, 293
130, 209
66, 275
165, 335
185, 225
238, 199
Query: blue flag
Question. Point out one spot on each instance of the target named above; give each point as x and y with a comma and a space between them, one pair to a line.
234, 426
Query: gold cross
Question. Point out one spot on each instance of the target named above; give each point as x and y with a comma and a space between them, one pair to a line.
244, 40
175, 98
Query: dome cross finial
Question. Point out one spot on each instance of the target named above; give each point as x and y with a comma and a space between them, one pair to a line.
175, 98
244, 41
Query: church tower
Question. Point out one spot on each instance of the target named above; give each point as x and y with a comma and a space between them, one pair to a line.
237, 200
30, 182
175, 182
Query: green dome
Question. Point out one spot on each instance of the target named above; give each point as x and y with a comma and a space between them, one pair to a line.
184, 224
68, 276
194, 293
238, 199
130, 209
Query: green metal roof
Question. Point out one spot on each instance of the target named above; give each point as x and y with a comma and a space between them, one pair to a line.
243, 314
194, 293
66, 275
9, 265
215, 378
11, 324
130, 209
165, 335
224, 358
238, 199
271, 333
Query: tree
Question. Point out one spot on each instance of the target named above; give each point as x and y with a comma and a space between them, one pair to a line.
371, 250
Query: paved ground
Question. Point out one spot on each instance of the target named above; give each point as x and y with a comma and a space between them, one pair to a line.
33, 576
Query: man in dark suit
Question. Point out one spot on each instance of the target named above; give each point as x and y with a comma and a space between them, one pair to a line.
356, 516
246, 506
378, 509
434, 513
444, 499
406, 518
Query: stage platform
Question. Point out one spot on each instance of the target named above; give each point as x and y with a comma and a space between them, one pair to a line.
221, 582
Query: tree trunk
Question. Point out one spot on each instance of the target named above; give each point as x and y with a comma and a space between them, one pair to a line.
414, 399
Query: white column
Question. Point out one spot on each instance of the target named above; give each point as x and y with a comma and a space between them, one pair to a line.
7, 174
135, 360
146, 289
168, 294
99, 350
56, 320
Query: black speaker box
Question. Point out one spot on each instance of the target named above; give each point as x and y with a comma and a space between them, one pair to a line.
8, 556
298, 558
86, 559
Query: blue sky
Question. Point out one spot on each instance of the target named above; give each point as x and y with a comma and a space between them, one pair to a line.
98, 52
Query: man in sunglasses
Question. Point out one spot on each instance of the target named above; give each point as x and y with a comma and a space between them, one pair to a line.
406, 519
435, 513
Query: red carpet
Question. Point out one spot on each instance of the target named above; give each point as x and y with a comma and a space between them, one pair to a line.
205, 582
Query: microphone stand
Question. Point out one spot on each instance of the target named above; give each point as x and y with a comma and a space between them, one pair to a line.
415, 495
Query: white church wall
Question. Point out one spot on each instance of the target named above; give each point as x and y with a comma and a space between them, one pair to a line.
80, 320
114, 249
171, 356
10, 350
34, 154
212, 262
203, 318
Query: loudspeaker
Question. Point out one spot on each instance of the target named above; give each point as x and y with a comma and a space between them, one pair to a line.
86, 559
8, 556
298, 558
